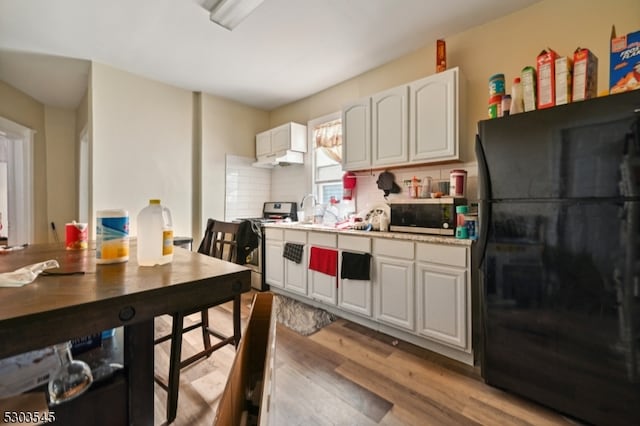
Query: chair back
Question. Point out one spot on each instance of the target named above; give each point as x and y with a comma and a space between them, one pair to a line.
220, 240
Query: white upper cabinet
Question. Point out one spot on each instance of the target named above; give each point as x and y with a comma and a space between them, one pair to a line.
356, 135
276, 141
263, 144
291, 136
390, 126
433, 134
416, 123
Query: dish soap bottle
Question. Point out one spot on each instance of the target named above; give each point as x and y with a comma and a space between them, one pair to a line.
155, 235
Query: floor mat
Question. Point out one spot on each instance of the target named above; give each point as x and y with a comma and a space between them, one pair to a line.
300, 317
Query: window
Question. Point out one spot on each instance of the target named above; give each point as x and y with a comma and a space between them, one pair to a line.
326, 143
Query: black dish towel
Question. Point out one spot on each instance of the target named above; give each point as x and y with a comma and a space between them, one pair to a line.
356, 266
293, 252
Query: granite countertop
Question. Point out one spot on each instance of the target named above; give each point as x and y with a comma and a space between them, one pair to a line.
375, 234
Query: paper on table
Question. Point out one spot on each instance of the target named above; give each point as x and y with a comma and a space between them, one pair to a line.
27, 274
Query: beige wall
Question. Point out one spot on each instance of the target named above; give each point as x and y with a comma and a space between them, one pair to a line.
504, 46
141, 145
155, 140
227, 128
61, 181
22, 109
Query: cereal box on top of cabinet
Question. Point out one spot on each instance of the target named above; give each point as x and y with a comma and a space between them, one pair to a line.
624, 73
585, 74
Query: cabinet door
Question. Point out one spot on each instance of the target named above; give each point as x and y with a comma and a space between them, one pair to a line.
394, 280
390, 142
281, 138
274, 263
356, 135
295, 275
323, 287
434, 117
354, 295
263, 144
442, 304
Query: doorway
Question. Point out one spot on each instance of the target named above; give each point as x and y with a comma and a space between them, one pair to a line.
16, 183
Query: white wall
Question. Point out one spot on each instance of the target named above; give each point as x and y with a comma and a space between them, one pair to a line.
505, 45
142, 145
228, 128
61, 171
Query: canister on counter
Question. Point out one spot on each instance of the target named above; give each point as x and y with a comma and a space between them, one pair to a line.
471, 223
457, 183
461, 229
112, 236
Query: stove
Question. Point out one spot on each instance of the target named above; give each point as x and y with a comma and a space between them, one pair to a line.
271, 212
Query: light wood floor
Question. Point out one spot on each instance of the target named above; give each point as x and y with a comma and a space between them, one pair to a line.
346, 374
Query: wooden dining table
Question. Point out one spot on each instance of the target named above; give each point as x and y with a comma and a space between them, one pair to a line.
81, 298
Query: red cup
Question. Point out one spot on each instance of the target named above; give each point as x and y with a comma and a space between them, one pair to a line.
76, 236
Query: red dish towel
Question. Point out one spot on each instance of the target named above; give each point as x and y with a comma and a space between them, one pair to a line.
324, 260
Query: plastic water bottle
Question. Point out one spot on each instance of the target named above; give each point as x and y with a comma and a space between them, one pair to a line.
155, 235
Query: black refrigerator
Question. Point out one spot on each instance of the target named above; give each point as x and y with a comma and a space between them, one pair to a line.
559, 257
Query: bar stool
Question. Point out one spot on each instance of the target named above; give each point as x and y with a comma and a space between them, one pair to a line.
220, 241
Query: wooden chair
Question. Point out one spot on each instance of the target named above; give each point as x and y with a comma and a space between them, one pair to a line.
220, 240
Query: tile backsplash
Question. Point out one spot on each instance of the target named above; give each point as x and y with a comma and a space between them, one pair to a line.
247, 188
368, 194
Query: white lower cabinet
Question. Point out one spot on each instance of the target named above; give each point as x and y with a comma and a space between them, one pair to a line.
295, 274
419, 291
443, 293
354, 295
322, 287
442, 298
395, 284
274, 265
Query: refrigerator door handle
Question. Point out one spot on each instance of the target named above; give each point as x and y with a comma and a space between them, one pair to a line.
484, 207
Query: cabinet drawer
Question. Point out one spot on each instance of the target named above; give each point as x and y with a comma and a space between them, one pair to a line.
323, 239
292, 236
273, 234
350, 243
392, 248
443, 254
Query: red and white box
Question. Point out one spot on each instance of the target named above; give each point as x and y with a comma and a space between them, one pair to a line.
585, 74
546, 71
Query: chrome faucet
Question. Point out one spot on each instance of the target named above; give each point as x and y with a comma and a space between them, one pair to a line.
313, 197
308, 210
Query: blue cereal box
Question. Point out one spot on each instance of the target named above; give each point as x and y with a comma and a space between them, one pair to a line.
624, 74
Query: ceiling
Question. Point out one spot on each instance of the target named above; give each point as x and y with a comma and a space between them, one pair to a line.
284, 51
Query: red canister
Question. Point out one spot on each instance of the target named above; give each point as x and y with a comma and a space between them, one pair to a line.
76, 235
457, 183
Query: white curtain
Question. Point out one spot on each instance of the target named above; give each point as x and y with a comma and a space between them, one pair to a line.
328, 137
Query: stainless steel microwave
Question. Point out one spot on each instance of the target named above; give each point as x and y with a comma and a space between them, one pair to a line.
425, 215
